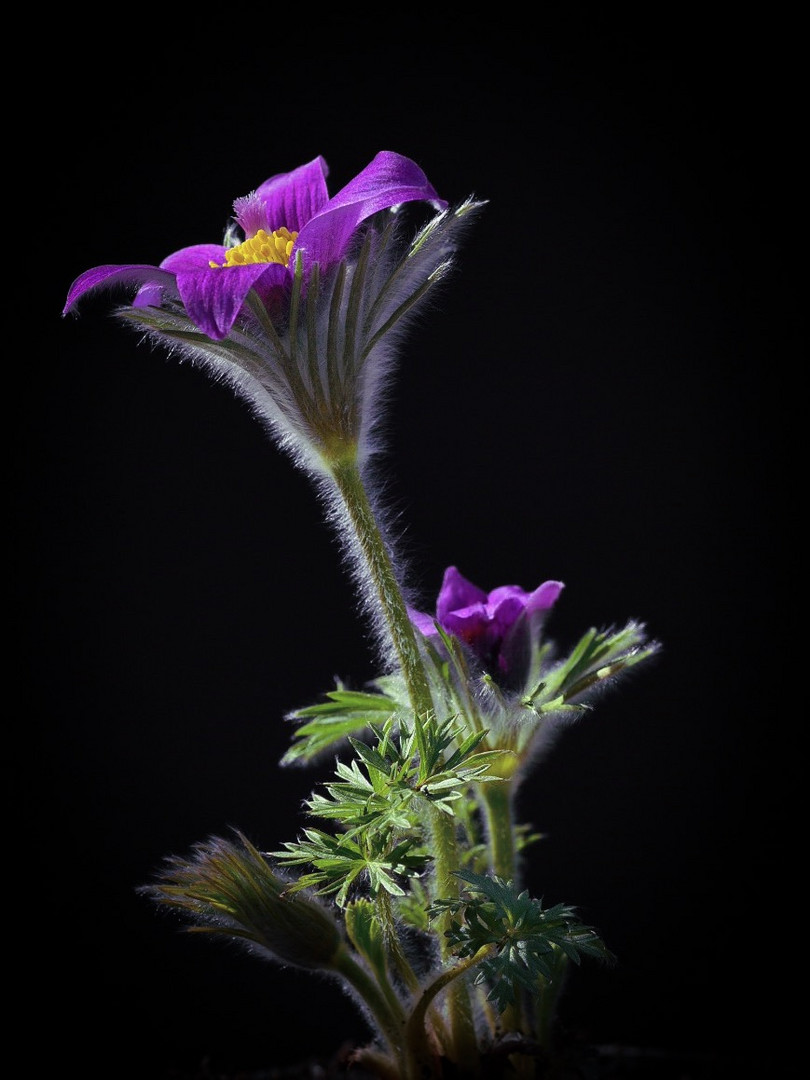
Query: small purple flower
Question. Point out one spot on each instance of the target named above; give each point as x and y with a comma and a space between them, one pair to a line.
500, 627
288, 216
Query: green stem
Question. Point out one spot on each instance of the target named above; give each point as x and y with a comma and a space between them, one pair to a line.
392, 943
497, 800
462, 1027
349, 483
444, 852
389, 1021
412, 1050
416, 1021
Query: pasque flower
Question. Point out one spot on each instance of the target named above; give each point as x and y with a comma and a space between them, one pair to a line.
500, 627
288, 215
296, 308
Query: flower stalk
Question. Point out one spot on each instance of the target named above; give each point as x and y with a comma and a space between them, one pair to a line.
380, 569
500, 827
376, 559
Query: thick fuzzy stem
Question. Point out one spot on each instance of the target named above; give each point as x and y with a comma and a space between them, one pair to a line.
448, 979
497, 801
389, 1021
380, 572
392, 943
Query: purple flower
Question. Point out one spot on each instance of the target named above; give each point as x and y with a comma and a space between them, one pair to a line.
287, 218
500, 627
302, 317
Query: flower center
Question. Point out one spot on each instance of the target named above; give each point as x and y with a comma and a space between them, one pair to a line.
274, 247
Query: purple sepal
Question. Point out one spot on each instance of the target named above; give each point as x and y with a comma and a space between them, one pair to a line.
109, 277
501, 627
387, 181
425, 624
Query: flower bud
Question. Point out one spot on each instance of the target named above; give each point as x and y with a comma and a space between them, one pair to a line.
229, 889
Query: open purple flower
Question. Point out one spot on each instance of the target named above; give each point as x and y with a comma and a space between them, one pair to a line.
500, 627
289, 216
297, 316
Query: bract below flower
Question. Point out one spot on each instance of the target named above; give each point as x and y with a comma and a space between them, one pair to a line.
500, 627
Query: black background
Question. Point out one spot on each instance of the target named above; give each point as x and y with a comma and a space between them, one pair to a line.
594, 397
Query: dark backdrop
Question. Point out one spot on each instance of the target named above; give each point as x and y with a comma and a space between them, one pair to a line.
594, 398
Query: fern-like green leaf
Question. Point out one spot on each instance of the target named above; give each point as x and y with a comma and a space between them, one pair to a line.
330, 723
523, 939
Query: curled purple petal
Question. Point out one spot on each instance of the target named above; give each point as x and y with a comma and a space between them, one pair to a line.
507, 592
544, 597
108, 277
150, 295
503, 612
389, 179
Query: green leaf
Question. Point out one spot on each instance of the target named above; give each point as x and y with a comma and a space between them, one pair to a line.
365, 932
371, 757
523, 939
345, 713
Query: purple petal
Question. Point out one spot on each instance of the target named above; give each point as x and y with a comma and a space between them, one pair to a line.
471, 624
292, 199
506, 610
504, 592
213, 298
544, 597
150, 295
196, 257
387, 181
456, 593
108, 277
522, 638
425, 624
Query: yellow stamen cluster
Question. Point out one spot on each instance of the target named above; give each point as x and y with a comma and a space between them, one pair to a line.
274, 247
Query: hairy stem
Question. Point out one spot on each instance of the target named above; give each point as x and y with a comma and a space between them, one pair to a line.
380, 572
389, 1021
497, 800
380, 569
497, 803
448, 978
391, 602
392, 943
